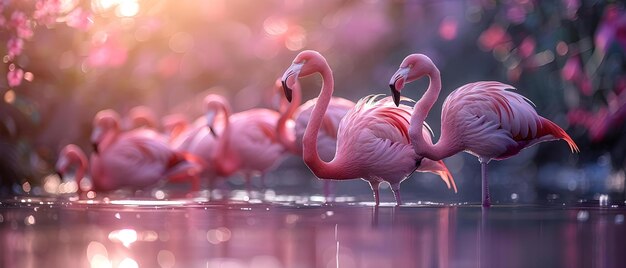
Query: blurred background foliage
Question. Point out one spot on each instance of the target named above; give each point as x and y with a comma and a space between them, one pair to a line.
64, 60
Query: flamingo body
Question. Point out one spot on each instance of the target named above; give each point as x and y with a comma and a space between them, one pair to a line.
256, 146
485, 119
492, 122
247, 141
134, 159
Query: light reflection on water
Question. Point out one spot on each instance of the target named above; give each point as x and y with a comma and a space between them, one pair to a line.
270, 230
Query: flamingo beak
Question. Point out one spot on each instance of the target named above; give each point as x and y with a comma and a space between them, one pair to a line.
397, 83
96, 137
213, 132
289, 79
60, 174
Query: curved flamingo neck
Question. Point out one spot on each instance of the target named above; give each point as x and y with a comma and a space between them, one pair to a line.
287, 140
222, 161
80, 160
110, 137
310, 155
442, 148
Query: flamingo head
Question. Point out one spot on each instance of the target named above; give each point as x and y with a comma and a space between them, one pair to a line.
105, 122
306, 63
69, 153
173, 122
62, 164
412, 68
141, 116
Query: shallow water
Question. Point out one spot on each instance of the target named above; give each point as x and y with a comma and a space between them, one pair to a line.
300, 231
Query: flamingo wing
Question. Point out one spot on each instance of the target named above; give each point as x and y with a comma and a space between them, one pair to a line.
254, 135
374, 136
136, 160
494, 122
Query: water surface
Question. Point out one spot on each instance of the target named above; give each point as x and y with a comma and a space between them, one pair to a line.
301, 231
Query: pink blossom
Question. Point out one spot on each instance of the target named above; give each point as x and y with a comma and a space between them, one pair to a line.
612, 28
527, 47
109, 54
15, 46
46, 11
516, 14
448, 28
14, 77
18, 18
572, 71
21, 24
492, 37
79, 19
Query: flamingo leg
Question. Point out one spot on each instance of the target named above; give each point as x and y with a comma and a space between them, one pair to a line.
326, 190
374, 185
195, 183
263, 181
485, 189
396, 193
248, 187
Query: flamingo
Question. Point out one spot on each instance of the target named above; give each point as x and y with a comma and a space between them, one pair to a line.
72, 156
292, 124
134, 159
141, 116
247, 142
482, 118
372, 139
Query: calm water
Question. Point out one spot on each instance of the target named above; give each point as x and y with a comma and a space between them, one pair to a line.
292, 231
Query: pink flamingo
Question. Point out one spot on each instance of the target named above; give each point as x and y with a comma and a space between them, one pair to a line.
372, 139
246, 142
292, 124
481, 118
141, 116
198, 139
175, 126
72, 156
134, 159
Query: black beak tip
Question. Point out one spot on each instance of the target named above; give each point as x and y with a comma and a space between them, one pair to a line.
213, 132
396, 95
95, 147
287, 90
59, 174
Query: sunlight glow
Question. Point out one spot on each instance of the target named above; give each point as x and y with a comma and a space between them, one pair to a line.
128, 8
98, 255
128, 263
124, 236
148, 202
166, 258
9, 96
275, 26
